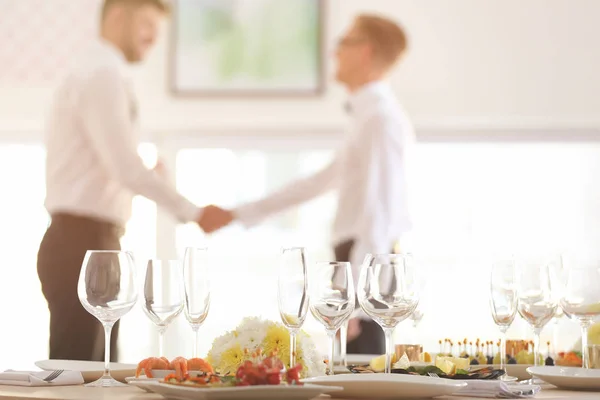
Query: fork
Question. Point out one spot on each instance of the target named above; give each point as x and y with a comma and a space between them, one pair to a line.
433, 375
53, 375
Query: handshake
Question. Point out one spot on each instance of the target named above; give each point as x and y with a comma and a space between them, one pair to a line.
214, 218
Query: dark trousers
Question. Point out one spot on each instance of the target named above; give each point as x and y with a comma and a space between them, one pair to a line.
75, 334
371, 339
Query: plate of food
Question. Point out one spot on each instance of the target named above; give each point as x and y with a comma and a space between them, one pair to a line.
387, 386
444, 367
568, 377
264, 378
90, 370
156, 369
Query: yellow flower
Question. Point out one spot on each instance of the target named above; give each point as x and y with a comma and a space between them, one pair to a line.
231, 360
278, 339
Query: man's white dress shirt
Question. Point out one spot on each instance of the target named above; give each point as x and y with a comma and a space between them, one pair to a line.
370, 173
92, 167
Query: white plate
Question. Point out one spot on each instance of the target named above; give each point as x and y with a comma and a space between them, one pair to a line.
568, 377
266, 392
91, 370
388, 386
141, 382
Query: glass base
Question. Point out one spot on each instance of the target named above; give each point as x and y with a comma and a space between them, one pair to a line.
106, 381
532, 381
508, 378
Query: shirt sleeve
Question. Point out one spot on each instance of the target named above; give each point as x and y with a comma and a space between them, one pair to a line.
293, 194
104, 106
382, 146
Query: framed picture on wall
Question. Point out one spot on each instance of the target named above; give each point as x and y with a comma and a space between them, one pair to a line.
247, 47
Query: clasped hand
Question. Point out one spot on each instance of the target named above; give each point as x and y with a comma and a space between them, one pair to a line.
214, 218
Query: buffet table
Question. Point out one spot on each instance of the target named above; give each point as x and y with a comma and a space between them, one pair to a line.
133, 393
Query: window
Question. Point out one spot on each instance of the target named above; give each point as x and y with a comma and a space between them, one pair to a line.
245, 270
24, 221
469, 200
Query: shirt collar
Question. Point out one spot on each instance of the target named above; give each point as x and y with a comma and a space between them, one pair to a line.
109, 51
363, 98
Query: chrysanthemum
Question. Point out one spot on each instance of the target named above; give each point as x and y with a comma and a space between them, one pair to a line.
277, 339
230, 360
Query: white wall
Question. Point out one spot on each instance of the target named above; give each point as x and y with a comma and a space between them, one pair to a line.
472, 65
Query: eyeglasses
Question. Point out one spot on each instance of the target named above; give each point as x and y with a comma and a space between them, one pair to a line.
350, 41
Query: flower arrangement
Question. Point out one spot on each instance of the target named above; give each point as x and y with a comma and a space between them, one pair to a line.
255, 337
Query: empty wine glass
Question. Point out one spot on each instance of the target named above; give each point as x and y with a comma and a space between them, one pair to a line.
292, 294
196, 281
581, 301
106, 289
536, 302
503, 303
163, 295
333, 299
344, 344
558, 279
388, 293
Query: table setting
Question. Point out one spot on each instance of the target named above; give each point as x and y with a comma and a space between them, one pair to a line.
264, 359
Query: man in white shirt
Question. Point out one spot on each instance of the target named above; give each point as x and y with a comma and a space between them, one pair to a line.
93, 171
369, 172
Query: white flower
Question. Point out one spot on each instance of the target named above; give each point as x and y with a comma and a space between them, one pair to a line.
221, 344
252, 324
250, 339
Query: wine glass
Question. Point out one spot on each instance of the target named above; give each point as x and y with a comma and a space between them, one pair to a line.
106, 289
388, 293
581, 301
196, 280
503, 304
332, 296
344, 344
536, 303
292, 294
559, 277
163, 295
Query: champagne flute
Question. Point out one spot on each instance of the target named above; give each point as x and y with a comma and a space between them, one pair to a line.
536, 303
503, 304
388, 293
106, 289
581, 301
196, 280
332, 296
292, 294
163, 295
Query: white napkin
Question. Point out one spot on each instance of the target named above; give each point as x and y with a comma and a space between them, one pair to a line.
36, 378
498, 390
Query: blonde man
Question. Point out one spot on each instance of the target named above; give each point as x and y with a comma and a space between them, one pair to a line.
369, 172
93, 170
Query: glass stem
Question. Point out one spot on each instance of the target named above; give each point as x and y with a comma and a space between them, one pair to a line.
161, 341
107, 331
389, 349
196, 329
536, 346
331, 334
292, 348
503, 330
585, 358
343, 343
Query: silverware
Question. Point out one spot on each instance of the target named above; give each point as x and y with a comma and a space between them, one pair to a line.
433, 375
53, 375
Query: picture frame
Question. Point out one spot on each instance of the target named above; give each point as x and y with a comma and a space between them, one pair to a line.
237, 48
